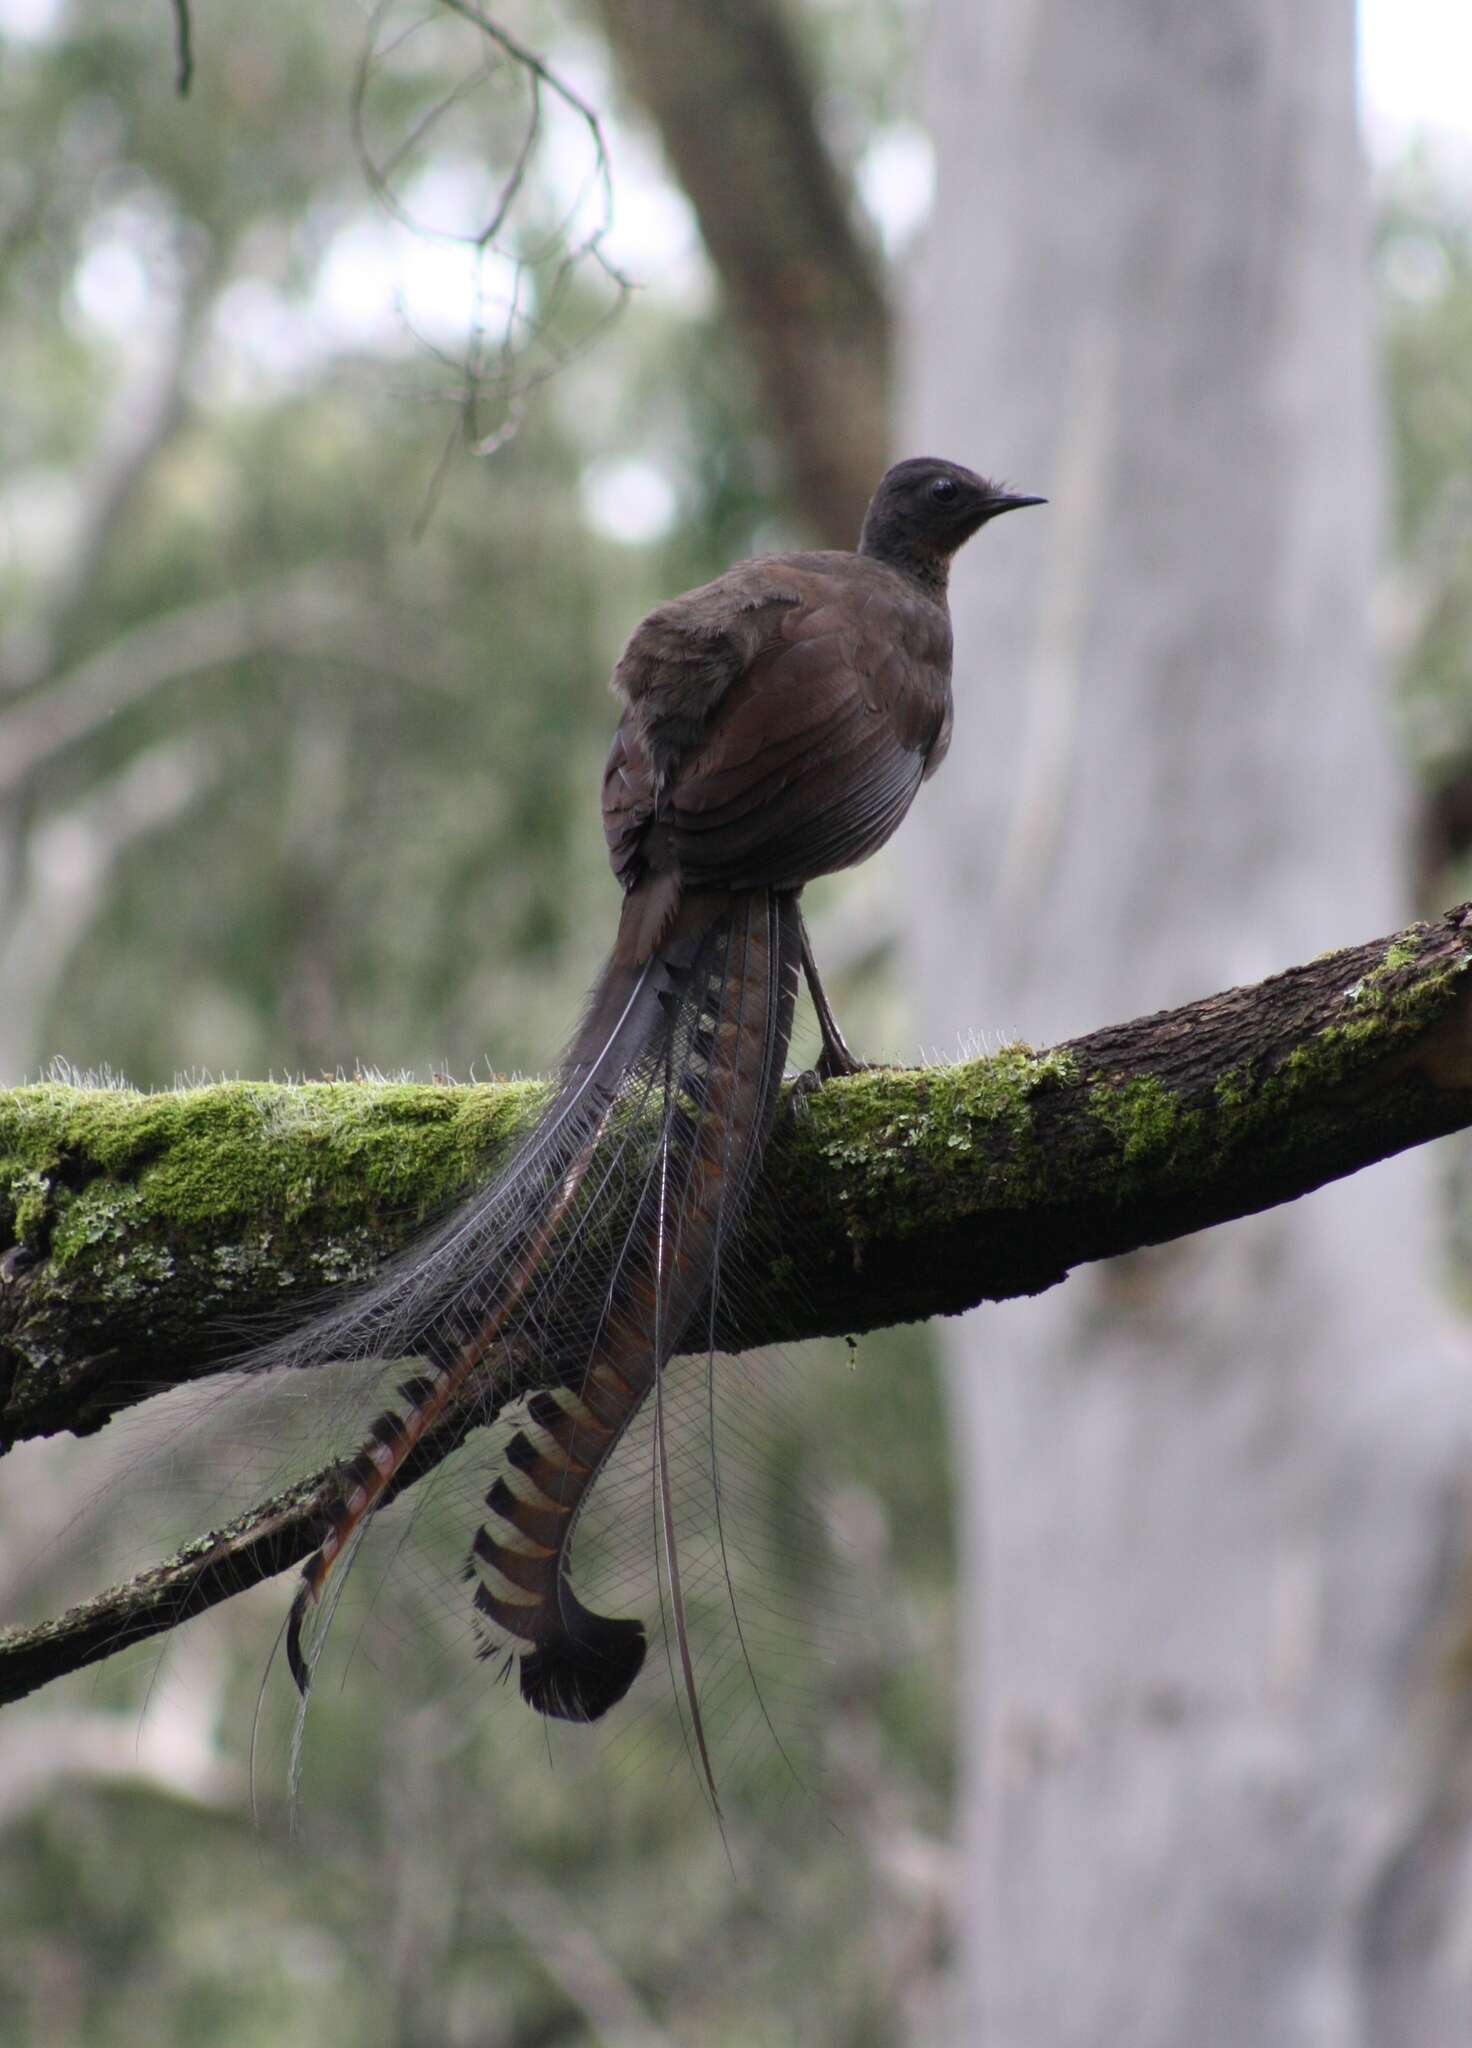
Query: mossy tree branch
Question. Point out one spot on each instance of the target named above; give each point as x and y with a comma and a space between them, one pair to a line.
136, 1229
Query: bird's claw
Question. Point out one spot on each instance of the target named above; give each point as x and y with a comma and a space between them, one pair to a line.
834, 1063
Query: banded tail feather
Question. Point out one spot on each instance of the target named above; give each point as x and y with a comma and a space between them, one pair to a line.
677, 1068
726, 1042
451, 1302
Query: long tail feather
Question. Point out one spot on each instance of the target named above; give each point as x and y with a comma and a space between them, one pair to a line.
577, 1273
727, 1037
453, 1299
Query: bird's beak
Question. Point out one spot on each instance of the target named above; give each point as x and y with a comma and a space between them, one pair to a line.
1005, 502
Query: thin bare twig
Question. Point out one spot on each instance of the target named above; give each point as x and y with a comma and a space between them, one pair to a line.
147, 412
493, 358
267, 1539
62, 896
328, 613
580, 1968
184, 69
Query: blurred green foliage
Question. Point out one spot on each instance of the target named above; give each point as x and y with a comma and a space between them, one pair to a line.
333, 801
390, 854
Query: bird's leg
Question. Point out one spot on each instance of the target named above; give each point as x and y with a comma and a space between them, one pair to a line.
836, 1057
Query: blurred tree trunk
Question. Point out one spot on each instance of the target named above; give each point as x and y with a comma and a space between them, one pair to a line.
727, 89
1218, 1768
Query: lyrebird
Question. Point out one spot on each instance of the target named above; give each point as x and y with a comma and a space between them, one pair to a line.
777, 724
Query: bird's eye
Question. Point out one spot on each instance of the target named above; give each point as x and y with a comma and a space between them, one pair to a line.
944, 489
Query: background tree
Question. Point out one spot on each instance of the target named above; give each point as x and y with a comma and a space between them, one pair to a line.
1213, 1496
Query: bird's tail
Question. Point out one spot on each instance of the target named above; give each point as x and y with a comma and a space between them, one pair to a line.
577, 1272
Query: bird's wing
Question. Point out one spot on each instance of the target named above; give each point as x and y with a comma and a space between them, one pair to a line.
684, 657
628, 801
810, 757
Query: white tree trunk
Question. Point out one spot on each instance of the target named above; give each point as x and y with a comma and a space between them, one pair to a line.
1218, 1767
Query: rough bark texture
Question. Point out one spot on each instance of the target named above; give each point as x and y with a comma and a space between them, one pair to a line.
136, 1223
140, 1234
724, 85
1215, 1781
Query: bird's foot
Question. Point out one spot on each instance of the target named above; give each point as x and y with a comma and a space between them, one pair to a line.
834, 1063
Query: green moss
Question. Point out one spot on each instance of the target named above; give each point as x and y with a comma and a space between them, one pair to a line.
972, 1124
1234, 1090
109, 1212
1394, 1002
30, 1200
201, 1156
1389, 984
1145, 1119
1385, 1009
1152, 1127
249, 1188
1002, 1088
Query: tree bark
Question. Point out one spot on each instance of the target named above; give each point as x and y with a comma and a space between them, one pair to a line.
139, 1234
1214, 1496
726, 88
136, 1222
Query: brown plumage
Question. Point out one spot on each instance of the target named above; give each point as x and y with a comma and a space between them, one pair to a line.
777, 724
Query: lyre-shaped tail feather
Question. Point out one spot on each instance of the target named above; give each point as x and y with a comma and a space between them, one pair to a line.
458, 1300
575, 1272
722, 1049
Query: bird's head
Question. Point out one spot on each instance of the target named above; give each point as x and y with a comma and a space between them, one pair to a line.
924, 509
